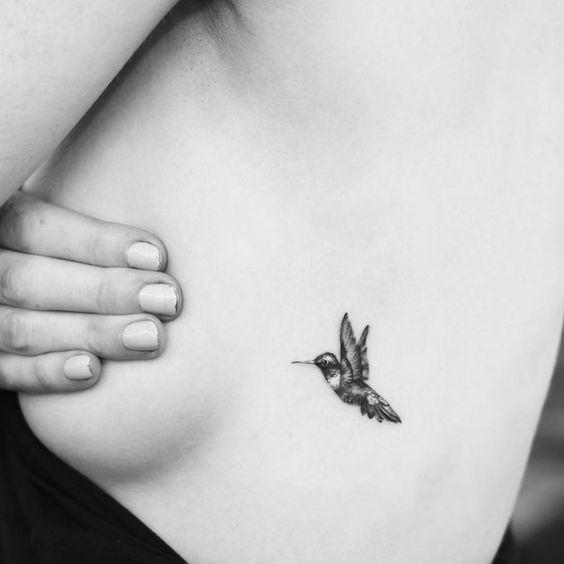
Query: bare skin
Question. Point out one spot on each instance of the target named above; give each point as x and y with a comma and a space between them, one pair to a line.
70, 287
400, 162
58, 316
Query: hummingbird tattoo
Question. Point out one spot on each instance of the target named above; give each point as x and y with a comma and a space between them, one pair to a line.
349, 376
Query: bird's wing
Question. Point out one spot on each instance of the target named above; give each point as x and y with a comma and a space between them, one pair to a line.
353, 352
346, 372
364, 353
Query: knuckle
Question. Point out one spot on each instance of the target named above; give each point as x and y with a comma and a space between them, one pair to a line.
13, 284
17, 221
95, 335
14, 333
96, 247
41, 375
106, 293
9, 381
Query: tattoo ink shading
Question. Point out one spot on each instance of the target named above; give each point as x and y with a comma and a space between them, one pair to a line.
349, 376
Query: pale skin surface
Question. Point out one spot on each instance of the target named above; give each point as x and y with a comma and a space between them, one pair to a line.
400, 162
55, 311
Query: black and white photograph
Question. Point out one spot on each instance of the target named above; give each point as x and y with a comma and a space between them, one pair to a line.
281, 282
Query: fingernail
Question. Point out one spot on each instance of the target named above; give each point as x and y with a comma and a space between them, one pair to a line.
144, 256
78, 367
141, 336
160, 299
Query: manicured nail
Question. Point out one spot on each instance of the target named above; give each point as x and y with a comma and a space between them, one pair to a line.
78, 367
144, 256
160, 299
141, 336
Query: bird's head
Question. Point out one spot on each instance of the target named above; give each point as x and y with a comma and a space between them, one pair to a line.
326, 362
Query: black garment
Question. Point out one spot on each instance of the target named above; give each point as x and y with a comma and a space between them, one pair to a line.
52, 514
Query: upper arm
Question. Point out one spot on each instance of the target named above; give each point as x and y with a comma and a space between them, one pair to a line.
56, 58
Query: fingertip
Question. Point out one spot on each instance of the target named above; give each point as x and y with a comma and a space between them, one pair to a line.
144, 337
82, 368
160, 246
162, 338
164, 255
162, 298
179, 303
147, 255
96, 365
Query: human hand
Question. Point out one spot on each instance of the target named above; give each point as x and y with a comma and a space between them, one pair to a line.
74, 289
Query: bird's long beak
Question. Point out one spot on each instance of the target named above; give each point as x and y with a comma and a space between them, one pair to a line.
302, 362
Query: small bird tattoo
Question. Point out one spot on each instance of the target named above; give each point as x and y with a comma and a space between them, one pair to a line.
348, 377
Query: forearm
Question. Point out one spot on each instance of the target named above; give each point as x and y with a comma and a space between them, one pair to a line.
55, 60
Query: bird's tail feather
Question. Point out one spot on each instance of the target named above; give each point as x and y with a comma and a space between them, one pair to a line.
376, 406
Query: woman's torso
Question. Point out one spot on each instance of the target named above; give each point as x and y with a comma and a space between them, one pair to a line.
401, 163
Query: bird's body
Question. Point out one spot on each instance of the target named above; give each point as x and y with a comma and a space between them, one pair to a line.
370, 402
348, 376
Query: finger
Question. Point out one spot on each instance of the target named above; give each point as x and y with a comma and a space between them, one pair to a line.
117, 337
40, 283
31, 225
68, 371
